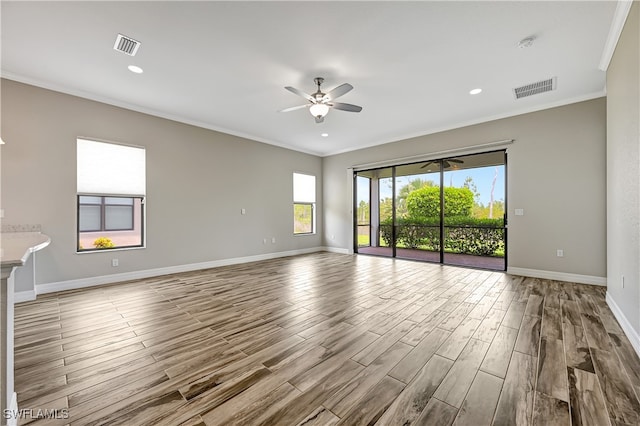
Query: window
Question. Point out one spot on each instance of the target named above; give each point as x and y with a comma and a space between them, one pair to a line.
111, 193
106, 213
304, 204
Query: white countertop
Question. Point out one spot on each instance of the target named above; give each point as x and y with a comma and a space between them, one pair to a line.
15, 247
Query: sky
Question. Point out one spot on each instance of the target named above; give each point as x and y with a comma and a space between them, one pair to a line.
482, 177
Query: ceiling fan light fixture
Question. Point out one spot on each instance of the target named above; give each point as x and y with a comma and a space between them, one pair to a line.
319, 110
320, 103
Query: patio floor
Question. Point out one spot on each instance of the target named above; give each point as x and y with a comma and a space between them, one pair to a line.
484, 262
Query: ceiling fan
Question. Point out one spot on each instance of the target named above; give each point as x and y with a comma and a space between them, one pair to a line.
320, 103
445, 163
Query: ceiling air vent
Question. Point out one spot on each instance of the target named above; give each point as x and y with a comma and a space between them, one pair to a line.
535, 88
126, 45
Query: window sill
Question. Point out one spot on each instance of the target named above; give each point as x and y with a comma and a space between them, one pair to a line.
110, 250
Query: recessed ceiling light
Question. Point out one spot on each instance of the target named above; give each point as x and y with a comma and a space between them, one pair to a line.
135, 69
324, 135
475, 91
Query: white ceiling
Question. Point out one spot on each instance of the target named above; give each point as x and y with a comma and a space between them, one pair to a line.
224, 65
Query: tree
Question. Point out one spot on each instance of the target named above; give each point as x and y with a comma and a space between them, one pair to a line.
363, 212
401, 200
470, 184
413, 185
302, 218
482, 212
386, 208
493, 186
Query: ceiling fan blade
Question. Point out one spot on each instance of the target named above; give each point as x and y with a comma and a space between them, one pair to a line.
345, 107
431, 163
338, 91
301, 93
319, 119
294, 108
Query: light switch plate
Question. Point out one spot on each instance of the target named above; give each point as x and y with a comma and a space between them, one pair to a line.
519, 212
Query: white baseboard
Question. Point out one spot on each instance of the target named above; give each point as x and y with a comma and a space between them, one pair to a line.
135, 275
336, 250
24, 296
13, 409
628, 329
558, 276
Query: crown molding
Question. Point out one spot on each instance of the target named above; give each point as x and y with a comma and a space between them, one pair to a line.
617, 24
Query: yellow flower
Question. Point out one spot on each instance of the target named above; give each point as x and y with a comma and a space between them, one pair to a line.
103, 242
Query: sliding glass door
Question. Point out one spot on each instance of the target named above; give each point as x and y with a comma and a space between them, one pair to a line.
417, 212
363, 211
474, 210
449, 210
374, 212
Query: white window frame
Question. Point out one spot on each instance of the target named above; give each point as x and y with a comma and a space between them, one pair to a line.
111, 169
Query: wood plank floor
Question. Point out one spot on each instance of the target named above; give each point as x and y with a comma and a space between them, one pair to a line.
327, 339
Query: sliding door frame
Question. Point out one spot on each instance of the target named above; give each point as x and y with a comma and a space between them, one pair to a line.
394, 233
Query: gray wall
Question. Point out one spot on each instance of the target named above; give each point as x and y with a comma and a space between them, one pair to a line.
623, 173
556, 173
197, 182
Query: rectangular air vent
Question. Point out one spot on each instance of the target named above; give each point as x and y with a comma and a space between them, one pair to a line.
535, 88
126, 45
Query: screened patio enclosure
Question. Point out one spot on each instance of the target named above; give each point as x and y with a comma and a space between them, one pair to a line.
449, 210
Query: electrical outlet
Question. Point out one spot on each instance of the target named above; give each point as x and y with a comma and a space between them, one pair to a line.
243, 211
115, 262
560, 253
264, 241
273, 240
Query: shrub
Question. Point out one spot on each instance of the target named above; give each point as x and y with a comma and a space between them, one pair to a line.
474, 221
385, 231
103, 242
483, 241
468, 235
425, 202
413, 233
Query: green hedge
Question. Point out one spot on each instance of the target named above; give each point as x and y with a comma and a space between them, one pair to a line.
484, 237
478, 241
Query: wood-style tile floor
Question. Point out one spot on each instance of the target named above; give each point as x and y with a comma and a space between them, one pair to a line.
327, 339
